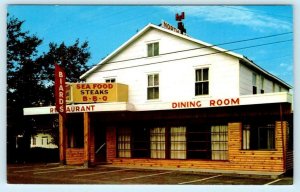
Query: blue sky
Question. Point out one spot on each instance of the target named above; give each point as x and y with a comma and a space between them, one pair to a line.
108, 27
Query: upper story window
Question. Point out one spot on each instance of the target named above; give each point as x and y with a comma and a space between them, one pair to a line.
153, 49
202, 82
254, 83
262, 82
153, 86
110, 80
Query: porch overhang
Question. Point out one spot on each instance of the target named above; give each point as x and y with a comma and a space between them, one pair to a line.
195, 103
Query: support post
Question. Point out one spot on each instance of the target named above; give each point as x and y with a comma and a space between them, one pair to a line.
86, 127
62, 139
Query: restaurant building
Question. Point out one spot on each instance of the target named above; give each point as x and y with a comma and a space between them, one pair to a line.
164, 99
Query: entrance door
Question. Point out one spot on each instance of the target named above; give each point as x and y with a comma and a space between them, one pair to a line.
100, 144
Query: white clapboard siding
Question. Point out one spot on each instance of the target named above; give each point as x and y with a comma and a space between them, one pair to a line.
177, 77
246, 82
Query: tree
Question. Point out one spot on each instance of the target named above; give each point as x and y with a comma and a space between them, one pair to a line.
72, 58
21, 67
30, 76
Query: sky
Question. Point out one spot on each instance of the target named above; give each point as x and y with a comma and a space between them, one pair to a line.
108, 27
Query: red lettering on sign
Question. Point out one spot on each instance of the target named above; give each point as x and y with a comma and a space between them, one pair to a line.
186, 104
222, 102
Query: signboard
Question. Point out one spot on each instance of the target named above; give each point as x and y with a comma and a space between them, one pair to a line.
60, 90
169, 27
267, 98
208, 103
97, 92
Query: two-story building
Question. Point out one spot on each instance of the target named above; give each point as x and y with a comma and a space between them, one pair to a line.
188, 104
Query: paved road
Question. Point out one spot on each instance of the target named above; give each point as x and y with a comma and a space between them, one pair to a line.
56, 174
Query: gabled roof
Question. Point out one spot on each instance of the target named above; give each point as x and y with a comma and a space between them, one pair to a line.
152, 26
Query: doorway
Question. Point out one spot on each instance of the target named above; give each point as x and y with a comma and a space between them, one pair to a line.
100, 144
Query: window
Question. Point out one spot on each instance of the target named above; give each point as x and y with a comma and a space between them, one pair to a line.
262, 91
219, 142
274, 87
246, 136
153, 49
33, 140
202, 82
124, 142
178, 142
44, 140
111, 80
257, 136
254, 85
153, 87
158, 143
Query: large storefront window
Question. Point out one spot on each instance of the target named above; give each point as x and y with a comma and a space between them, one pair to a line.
124, 149
178, 143
219, 142
191, 142
158, 143
257, 137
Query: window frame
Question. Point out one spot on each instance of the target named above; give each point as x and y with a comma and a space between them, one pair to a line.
153, 87
204, 89
124, 142
254, 83
252, 136
262, 85
110, 80
153, 49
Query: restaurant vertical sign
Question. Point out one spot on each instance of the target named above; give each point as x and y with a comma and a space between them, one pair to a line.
60, 90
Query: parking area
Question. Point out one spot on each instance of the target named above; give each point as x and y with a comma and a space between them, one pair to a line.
103, 174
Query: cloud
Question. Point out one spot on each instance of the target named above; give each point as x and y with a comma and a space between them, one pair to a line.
283, 64
236, 16
286, 66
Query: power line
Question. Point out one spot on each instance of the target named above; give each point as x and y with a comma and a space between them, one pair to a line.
210, 46
194, 56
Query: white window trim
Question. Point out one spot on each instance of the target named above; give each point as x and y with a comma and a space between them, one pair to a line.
159, 96
207, 66
152, 42
110, 77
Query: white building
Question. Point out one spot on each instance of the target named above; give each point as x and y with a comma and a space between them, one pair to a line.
42, 140
190, 105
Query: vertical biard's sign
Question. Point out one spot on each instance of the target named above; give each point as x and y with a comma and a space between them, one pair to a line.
60, 90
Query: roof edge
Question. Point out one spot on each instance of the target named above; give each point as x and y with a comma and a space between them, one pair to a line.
89, 72
251, 63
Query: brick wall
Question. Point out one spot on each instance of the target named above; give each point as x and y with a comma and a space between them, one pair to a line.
111, 134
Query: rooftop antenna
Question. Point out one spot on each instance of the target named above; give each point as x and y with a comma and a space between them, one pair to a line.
180, 24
